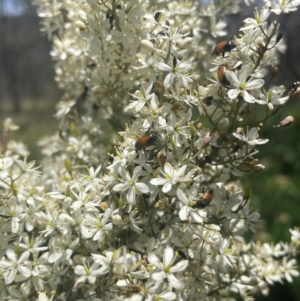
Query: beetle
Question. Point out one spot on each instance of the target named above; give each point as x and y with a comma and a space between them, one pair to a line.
145, 140
295, 86
205, 200
222, 76
222, 47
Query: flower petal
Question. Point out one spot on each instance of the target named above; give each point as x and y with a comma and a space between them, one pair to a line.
158, 181
142, 187
168, 256
174, 282
153, 259
233, 93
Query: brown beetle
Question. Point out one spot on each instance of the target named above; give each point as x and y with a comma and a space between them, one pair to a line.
146, 140
205, 199
222, 76
222, 47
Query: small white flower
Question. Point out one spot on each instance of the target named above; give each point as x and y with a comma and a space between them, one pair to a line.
167, 269
131, 184
251, 137
187, 210
178, 71
172, 177
63, 108
13, 265
87, 272
242, 83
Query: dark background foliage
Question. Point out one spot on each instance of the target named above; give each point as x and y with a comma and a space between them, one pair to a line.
28, 94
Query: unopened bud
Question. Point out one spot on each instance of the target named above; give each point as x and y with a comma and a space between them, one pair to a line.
161, 158
224, 137
257, 168
286, 121
147, 45
68, 191
205, 141
192, 130
239, 130
103, 206
82, 15
274, 71
80, 25
68, 166
224, 122
187, 42
199, 125
185, 29
253, 162
116, 219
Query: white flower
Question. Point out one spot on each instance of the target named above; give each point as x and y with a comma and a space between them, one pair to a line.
142, 97
242, 83
33, 245
289, 269
187, 210
178, 71
15, 211
63, 108
283, 6
272, 97
87, 272
250, 218
259, 19
251, 137
172, 177
167, 269
131, 183
97, 227
8, 125
13, 265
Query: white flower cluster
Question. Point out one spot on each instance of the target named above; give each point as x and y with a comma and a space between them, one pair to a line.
161, 215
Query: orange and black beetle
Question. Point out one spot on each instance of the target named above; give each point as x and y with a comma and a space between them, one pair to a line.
222, 76
146, 140
222, 47
206, 199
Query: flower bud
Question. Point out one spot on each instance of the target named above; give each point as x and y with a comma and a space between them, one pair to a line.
80, 25
286, 121
116, 219
68, 166
274, 71
187, 42
224, 122
239, 130
257, 168
192, 130
82, 15
224, 137
103, 206
206, 140
161, 158
199, 125
147, 45
185, 29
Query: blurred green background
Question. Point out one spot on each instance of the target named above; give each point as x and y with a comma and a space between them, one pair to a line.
28, 94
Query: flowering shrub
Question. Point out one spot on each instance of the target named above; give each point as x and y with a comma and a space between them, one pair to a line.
159, 213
